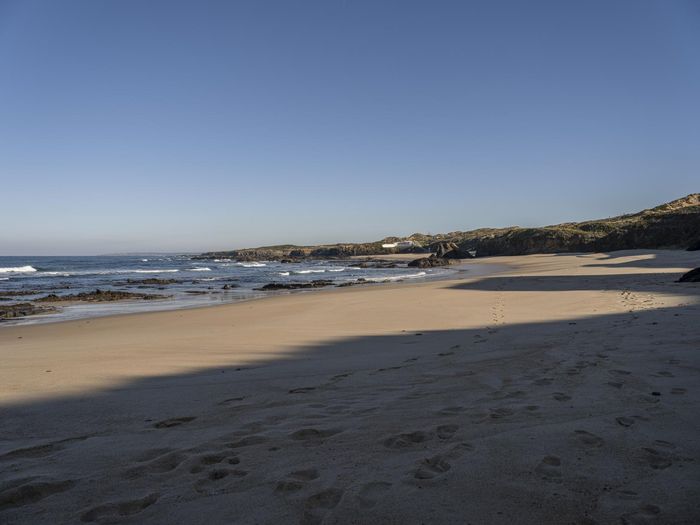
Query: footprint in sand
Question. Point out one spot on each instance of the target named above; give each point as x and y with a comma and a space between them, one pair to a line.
430, 468
247, 441
588, 439
451, 411
316, 506
388, 368
446, 431
549, 469
625, 421
663, 373
28, 491
543, 381
627, 495
207, 460
437, 465
656, 459
407, 440
296, 480
231, 400
645, 514
214, 477
313, 435
174, 422
560, 396
370, 493
165, 463
678, 391
40, 451
500, 413
302, 390
119, 509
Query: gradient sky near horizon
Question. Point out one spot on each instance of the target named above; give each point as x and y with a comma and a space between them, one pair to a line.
132, 126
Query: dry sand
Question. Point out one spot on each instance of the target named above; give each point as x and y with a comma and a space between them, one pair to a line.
563, 390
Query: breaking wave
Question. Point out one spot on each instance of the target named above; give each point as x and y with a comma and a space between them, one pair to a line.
18, 269
395, 277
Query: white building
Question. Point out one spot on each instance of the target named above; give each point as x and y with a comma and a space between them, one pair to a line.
398, 245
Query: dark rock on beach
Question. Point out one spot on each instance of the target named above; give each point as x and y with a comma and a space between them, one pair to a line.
100, 296
13, 311
429, 262
353, 283
153, 281
319, 283
693, 276
450, 250
375, 263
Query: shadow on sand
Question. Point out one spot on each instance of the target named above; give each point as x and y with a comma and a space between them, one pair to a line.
586, 420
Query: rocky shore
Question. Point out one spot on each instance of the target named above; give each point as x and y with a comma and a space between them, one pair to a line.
24, 309
100, 296
17, 310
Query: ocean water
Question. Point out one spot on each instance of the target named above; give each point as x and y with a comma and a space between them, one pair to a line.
200, 283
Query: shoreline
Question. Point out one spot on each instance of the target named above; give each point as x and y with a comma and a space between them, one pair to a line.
170, 304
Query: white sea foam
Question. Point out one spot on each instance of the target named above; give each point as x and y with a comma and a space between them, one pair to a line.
209, 279
222, 260
251, 264
18, 269
4, 278
61, 274
396, 277
144, 260
283, 273
337, 270
309, 271
205, 269
145, 271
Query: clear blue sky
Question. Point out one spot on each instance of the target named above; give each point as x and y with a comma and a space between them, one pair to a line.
132, 125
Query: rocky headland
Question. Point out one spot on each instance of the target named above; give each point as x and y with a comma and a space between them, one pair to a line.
672, 225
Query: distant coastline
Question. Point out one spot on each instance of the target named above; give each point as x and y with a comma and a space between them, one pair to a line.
675, 224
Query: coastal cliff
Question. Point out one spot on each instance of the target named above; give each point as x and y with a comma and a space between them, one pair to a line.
672, 225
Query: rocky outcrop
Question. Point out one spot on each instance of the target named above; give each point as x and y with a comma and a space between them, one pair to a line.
100, 296
353, 283
319, 283
14, 311
693, 276
153, 281
450, 250
19, 292
429, 262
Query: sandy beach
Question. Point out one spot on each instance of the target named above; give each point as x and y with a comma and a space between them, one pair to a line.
557, 389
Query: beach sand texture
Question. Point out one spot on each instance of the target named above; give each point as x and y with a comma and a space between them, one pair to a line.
565, 389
